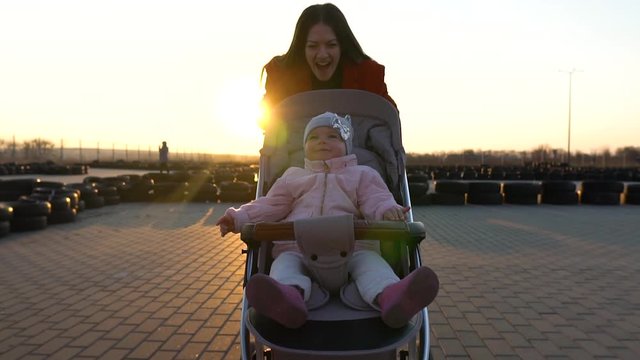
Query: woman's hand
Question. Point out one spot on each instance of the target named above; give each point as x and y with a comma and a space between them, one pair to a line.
227, 224
396, 214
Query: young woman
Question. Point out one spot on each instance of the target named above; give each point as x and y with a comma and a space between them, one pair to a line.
324, 54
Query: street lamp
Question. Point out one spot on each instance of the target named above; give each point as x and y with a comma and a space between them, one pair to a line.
570, 72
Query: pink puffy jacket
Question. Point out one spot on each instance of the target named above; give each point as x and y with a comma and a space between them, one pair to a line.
333, 187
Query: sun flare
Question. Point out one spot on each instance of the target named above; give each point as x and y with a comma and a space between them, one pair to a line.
238, 106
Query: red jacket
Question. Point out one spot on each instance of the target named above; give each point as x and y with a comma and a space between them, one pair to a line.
281, 83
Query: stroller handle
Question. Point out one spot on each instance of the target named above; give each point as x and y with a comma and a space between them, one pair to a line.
363, 230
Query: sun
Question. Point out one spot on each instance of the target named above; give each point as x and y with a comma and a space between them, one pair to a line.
238, 105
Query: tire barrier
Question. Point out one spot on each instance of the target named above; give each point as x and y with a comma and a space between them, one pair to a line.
29, 214
632, 195
521, 193
62, 210
418, 188
450, 192
236, 191
559, 192
170, 191
11, 190
596, 192
137, 189
6, 214
89, 195
5, 228
485, 193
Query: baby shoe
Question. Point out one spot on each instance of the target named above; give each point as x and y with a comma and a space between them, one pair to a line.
279, 302
399, 302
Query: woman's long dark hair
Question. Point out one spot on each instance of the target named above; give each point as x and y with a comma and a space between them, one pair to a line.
331, 16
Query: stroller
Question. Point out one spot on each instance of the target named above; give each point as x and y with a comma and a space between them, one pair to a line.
334, 330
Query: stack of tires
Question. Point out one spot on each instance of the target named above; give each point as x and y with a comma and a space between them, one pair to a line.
450, 192
6, 214
484, 193
521, 193
418, 187
236, 191
597, 192
632, 195
201, 187
11, 190
64, 201
136, 188
559, 192
29, 214
89, 195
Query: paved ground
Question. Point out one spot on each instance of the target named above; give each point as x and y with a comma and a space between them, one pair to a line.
156, 281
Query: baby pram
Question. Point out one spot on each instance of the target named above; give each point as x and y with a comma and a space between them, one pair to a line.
334, 330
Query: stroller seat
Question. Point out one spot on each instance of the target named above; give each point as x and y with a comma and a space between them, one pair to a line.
336, 331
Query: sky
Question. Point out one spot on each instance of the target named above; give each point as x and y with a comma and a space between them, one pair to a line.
466, 74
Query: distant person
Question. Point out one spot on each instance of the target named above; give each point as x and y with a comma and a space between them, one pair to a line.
163, 153
324, 54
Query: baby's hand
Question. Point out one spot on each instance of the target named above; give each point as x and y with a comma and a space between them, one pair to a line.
396, 214
227, 224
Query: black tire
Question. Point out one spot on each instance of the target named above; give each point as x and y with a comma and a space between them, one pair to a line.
521, 188
50, 184
486, 187
558, 186
5, 228
11, 195
560, 198
95, 202
86, 191
632, 199
601, 198
237, 191
417, 190
521, 199
451, 187
418, 178
447, 198
170, 191
206, 192
25, 207
28, 223
106, 190
58, 202
81, 206
6, 212
111, 200
485, 198
61, 217
158, 177
633, 189
23, 186
593, 186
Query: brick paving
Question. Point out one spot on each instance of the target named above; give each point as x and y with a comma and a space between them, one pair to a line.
155, 281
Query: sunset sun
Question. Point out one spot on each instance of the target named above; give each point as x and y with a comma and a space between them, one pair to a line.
238, 106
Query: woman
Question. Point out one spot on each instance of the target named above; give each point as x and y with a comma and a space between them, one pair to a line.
324, 54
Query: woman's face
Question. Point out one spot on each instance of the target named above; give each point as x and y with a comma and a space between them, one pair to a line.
322, 51
324, 143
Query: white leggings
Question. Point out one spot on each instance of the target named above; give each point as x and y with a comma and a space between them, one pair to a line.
367, 268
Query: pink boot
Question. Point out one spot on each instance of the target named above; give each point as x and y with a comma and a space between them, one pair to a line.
282, 303
399, 302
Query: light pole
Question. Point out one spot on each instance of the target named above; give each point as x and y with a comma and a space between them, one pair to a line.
570, 72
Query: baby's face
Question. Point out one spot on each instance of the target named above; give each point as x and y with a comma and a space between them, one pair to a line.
324, 143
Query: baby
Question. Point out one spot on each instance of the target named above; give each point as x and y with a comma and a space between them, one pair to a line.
331, 183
